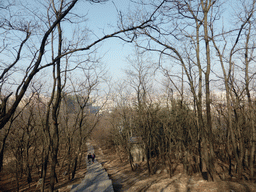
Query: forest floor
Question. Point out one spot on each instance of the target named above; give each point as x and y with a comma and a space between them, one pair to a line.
8, 182
124, 179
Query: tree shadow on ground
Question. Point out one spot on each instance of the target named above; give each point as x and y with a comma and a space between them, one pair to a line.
145, 188
234, 188
173, 182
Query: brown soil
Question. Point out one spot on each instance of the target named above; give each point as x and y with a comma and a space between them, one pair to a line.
132, 181
126, 180
8, 179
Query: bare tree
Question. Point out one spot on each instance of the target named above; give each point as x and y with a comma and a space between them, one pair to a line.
33, 49
174, 41
85, 93
139, 78
37, 62
229, 79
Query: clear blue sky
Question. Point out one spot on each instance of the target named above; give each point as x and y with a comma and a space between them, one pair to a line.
105, 16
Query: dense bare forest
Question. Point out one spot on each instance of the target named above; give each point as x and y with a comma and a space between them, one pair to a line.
188, 96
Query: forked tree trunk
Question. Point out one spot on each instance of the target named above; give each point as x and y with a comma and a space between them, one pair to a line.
209, 158
56, 105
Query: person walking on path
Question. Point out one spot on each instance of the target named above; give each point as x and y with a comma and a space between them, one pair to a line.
89, 158
96, 178
93, 157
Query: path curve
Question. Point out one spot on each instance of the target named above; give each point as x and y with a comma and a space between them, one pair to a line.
96, 178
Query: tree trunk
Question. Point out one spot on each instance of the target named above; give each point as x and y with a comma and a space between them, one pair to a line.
55, 108
17, 177
148, 161
2, 153
208, 133
44, 170
74, 168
